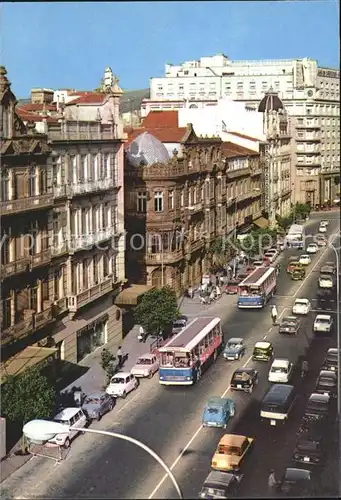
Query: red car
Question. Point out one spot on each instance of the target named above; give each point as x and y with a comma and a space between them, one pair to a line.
232, 287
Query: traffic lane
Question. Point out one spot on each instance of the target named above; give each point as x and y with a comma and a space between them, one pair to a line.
145, 431
273, 446
284, 347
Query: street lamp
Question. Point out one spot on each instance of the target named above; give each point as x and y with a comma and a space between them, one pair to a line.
41, 431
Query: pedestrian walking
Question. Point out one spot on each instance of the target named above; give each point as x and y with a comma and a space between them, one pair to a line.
142, 334
119, 355
190, 292
272, 481
274, 315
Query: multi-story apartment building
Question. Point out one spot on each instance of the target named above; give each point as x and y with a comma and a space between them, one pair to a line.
86, 267
178, 204
309, 93
26, 209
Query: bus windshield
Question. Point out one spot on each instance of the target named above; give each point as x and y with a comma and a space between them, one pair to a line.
249, 290
175, 359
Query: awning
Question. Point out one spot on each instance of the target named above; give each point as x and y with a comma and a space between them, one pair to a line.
129, 296
261, 222
29, 357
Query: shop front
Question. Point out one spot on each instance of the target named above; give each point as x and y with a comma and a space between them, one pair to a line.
92, 336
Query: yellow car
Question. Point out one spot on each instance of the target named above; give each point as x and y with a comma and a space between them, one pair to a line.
230, 452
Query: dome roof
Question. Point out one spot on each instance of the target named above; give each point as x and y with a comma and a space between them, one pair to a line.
147, 149
270, 102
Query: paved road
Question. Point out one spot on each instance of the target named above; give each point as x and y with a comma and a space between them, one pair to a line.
168, 420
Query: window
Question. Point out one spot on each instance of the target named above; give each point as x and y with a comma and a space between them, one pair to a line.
73, 169
34, 298
158, 201
94, 270
32, 182
141, 201
83, 174
105, 265
182, 198
107, 166
42, 181
5, 185
171, 200
95, 169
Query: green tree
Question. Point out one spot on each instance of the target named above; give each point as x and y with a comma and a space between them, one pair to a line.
27, 396
301, 209
157, 310
284, 222
108, 363
258, 239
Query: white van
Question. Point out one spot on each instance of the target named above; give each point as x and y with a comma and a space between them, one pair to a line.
71, 417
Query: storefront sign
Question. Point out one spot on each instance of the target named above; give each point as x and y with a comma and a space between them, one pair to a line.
329, 73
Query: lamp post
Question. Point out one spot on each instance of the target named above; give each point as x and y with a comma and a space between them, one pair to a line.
338, 356
34, 432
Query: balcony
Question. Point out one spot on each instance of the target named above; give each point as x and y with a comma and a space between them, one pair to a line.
13, 207
79, 300
18, 330
60, 306
257, 171
15, 267
196, 245
163, 257
71, 190
40, 259
197, 207
58, 250
43, 318
86, 241
308, 137
310, 124
232, 174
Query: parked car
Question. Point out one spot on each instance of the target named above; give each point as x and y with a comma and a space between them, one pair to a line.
324, 222
146, 366
220, 484
295, 482
298, 273
270, 256
309, 448
318, 407
328, 268
326, 383
179, 324
325, 296
230, 452
244, 379
323, 323
258, 263
218, 412
281, 371
322, 229
97, 404
312, 248
289, 325
263, 351
121, 384
234, 349
301, 306
305, 260
330, 361
326, 281
74, 417
232, 287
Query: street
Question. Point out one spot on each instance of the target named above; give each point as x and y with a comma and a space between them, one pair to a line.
168, 419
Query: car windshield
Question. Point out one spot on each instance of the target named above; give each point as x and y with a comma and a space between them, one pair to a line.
259, 350
243, 376
305, 444
229, 450
331, 358
300, 302
179, 324
279, 369
144, 361
323, 321
327, 381
233, 344
214, 411
92, 400
316, 405
117, 380
291, 321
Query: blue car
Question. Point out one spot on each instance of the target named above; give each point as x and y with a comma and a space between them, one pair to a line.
218, 412
234, 349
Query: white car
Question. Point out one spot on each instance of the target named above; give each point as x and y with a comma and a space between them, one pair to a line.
312, 248
121, 384
280, 371
326, 281
74, 417
301, 306
323, 323
322, 229
145, 366
324, 222
305, 260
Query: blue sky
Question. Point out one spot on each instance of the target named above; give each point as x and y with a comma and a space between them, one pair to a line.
59, 45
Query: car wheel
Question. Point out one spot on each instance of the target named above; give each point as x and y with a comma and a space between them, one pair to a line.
66, 445
99, 416
150, 375
111, 406
124, 394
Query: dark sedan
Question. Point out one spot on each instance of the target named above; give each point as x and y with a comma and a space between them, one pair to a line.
244, 379
318, 407
309, 449
96, 405
330, 362
289, 325
220, 485
295, 482
326, 383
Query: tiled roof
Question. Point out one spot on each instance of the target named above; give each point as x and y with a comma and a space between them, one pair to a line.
90, 98
37, 107
165, 135
34, 117
244, 136
232, 150
161, 119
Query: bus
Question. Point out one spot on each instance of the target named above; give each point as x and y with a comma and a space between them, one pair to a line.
256, 289
278, 403
184, 357
295, 236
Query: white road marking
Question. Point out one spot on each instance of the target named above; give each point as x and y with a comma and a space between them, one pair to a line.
264, 337
127, 403
321, 311
311, 270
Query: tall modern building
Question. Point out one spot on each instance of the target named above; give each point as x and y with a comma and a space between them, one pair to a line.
310, 95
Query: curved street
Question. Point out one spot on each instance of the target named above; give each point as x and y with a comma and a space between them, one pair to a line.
168, 419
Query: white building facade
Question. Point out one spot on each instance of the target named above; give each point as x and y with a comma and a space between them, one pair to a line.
309, 93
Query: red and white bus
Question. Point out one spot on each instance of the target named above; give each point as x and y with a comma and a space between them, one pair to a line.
256, 289
184, 357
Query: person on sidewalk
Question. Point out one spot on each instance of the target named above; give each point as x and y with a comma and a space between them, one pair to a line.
142, 334
119, 356
274, 315
272, 482
190, 292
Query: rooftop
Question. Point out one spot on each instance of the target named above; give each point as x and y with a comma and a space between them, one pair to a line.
232, 150
161, 119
